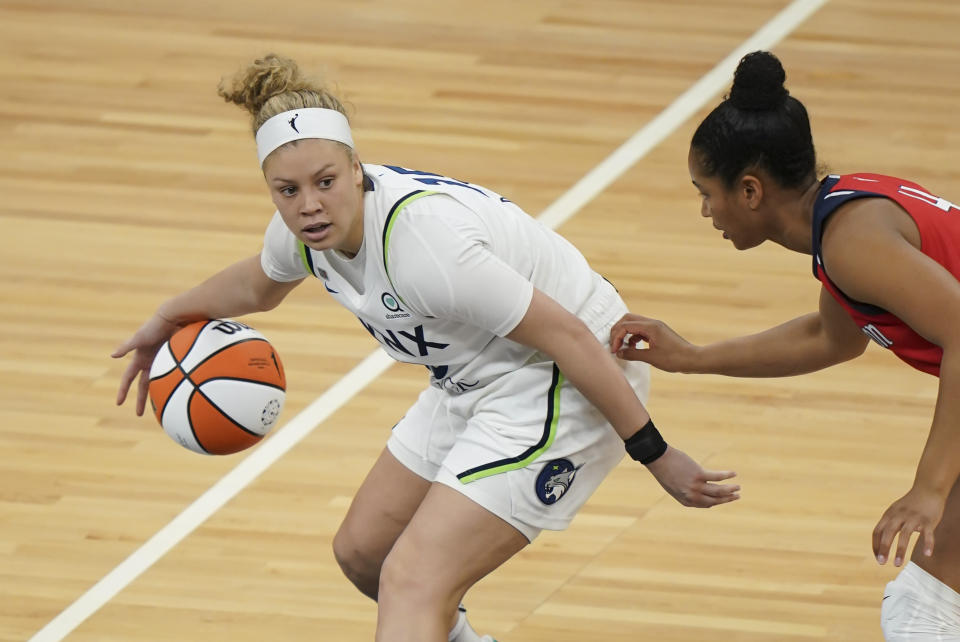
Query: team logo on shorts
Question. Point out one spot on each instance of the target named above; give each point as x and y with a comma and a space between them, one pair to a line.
554, 480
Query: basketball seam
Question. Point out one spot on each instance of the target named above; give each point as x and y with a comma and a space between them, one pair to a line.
222, 412
192, 343
176, 364
218, 351
190, 418
166, 401
256, 381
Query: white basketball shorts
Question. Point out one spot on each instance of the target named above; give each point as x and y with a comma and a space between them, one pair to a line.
528, 447
917, 607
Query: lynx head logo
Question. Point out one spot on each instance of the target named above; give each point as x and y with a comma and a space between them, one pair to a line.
555, 480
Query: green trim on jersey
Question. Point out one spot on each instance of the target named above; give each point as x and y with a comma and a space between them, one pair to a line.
388, 229
306, 258
525, 458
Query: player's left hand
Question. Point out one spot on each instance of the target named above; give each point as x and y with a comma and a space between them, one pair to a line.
919, 511
691, 485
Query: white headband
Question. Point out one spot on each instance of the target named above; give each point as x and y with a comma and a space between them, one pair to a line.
291, 125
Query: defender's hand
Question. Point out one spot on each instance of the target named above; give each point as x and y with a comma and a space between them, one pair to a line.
919, 511
665, 349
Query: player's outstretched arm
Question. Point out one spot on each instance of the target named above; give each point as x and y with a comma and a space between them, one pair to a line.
805, 344
240, 289
551, 329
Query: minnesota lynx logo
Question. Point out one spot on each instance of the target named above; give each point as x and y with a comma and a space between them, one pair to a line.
555, 479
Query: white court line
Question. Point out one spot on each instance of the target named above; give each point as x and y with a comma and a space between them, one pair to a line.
677, 113
375, 364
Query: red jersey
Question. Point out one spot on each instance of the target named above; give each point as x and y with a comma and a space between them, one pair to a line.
937, 220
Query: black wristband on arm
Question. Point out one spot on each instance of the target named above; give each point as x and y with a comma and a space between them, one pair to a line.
646, 445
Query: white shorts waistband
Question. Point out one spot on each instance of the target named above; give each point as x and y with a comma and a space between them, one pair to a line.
927, 584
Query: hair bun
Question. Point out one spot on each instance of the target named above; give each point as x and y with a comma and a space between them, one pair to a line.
758, 83
265, 78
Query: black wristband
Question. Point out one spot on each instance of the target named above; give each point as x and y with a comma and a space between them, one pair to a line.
646, 445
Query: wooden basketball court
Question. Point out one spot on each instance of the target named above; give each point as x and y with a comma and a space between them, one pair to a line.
125, 179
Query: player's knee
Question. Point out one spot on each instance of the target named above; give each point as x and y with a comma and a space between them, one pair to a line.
398, 578
359, 566
403, 582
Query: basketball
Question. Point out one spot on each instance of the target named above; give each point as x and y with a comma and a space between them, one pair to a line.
217, 386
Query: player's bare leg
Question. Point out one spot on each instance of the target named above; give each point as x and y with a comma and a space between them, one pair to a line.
450, 544
381, 509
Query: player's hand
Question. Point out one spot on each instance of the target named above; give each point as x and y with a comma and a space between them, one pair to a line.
665, 349
145, 344
919, 511
689, 483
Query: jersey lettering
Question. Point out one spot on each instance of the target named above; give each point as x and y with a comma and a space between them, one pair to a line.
390, 340
386, 337
422, 344
429, 178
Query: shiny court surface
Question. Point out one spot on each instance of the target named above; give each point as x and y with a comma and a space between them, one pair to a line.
125, 179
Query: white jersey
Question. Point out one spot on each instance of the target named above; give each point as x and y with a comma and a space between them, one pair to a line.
445, 271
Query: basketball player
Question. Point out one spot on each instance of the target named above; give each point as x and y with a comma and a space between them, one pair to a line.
526, 411
887, 253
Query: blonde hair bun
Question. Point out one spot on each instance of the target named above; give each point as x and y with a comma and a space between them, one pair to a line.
274, 84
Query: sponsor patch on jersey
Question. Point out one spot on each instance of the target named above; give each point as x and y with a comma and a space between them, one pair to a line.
555, 479
393, 306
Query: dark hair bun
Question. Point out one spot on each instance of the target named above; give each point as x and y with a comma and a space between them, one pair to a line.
758, 82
